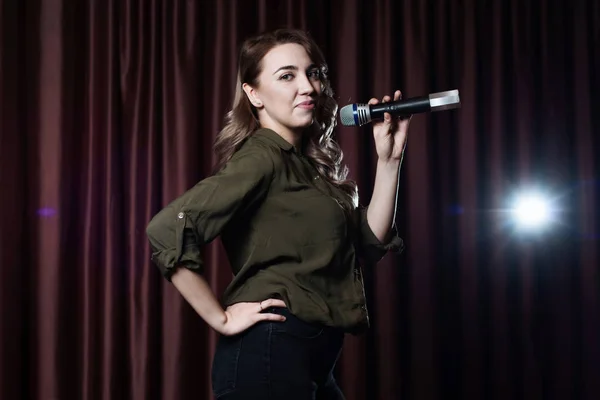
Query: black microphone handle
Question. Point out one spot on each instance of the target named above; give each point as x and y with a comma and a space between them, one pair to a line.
407, 107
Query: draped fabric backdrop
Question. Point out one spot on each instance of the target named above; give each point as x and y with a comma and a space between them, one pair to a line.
108, 110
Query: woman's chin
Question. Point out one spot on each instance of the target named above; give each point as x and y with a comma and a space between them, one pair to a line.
304, 123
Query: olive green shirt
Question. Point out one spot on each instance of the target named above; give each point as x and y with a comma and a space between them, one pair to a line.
283, 228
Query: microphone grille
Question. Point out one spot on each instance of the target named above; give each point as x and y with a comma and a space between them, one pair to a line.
355, 114
347, 115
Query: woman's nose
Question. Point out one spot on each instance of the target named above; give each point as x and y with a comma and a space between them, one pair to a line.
305, 85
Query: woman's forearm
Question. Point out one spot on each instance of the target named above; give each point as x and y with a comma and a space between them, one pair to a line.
382, 209
196, 291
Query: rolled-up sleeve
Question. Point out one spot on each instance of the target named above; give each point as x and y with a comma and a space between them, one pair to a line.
370, 248
177, 232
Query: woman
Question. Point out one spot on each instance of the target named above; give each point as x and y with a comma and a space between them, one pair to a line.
290, 223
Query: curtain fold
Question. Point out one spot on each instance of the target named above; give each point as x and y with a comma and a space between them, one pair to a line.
108, 111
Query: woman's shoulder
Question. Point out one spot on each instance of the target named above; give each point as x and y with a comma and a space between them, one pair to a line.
256, 156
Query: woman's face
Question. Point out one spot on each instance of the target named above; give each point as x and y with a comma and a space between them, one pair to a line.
287, 90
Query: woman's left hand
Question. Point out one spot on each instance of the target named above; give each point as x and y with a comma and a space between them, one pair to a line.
390, 134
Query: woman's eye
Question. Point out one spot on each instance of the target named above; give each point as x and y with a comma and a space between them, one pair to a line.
314, 74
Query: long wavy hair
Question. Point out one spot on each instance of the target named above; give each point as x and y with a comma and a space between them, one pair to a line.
242, 120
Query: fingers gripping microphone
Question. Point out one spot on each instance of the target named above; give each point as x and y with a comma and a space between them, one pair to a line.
360, 114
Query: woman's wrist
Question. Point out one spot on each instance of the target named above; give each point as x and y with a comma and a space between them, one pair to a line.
389, 165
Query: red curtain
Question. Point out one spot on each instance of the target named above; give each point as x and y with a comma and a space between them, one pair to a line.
108, 110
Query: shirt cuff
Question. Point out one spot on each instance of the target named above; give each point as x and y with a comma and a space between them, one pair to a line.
169, 260
373, 248
185, 254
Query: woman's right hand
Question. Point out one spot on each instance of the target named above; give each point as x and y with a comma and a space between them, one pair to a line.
241, 316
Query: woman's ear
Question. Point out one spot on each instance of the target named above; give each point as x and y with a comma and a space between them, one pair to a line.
252, 95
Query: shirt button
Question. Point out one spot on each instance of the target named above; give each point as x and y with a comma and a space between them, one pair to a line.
180, 215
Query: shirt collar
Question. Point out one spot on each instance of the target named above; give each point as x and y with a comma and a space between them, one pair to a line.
275, 137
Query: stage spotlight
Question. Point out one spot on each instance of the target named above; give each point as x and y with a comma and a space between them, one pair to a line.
531, 211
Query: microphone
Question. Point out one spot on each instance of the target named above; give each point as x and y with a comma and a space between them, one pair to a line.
360, 114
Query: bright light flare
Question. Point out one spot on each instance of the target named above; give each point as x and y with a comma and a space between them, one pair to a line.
531, 211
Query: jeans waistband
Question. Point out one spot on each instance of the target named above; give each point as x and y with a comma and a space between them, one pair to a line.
288, 314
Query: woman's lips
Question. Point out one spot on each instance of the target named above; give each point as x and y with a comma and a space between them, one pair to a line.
307, 105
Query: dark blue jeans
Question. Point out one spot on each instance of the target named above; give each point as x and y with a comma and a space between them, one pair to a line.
278, 360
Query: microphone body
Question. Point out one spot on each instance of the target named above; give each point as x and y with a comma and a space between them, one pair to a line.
360, 114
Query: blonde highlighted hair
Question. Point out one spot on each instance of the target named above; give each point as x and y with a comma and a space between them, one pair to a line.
242, 120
